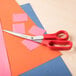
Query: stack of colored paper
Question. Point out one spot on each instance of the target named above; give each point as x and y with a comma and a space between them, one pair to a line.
27, 58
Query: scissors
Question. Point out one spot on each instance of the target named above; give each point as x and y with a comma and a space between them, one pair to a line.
56, 41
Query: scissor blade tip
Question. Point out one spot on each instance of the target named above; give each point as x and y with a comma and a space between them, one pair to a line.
5, 30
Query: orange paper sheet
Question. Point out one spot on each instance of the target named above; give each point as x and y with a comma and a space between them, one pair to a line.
20, 58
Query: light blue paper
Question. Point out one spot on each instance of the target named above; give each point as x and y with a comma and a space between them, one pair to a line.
55, 67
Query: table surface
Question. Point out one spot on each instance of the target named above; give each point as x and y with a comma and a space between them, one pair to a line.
56, 15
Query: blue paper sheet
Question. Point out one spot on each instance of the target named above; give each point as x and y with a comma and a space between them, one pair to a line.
31, 13
55, 67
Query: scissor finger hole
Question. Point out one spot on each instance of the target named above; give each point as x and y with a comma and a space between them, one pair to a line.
58, 45
51, 44
62, 35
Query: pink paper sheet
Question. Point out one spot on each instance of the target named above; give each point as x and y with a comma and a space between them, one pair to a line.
19, 28
30, 44
20, 17
35, 30
4, 64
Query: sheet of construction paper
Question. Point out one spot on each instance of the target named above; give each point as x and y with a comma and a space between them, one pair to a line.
20, 58
35, 30
20, 17
19, 28
55, 67
32, 45
4, 63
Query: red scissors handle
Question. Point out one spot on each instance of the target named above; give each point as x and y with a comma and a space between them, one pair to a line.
58, 44
60, 35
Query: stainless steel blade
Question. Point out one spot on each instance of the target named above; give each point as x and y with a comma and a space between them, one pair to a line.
33, 38
19, 35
